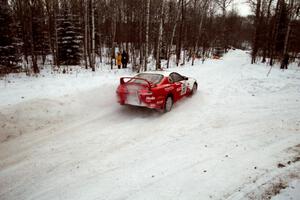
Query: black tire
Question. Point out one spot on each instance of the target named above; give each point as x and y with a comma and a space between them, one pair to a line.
194, 89
168, 104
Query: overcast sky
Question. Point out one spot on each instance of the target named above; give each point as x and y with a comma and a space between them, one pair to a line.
242, 7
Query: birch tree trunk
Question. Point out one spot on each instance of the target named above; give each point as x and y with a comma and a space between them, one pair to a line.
147, 35
99, 35
173, 34
289, 28
89, 37
255, 39
204, 9
159, 40
86, 33
179, 39
171, 43
184, 46
275, 31
141, 47
55, 33
113, 36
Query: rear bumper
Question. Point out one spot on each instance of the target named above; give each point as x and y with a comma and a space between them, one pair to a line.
140, 101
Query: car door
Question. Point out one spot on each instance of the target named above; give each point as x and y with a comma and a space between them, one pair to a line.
184, 85
180, 85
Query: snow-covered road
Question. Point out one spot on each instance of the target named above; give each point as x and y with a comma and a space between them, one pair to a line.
225, 142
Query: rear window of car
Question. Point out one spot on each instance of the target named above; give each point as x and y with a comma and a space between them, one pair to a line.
152, 78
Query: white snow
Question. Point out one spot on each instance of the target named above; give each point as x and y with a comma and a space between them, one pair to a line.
67, 138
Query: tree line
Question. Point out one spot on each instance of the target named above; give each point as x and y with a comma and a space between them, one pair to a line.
88, 32
277, 30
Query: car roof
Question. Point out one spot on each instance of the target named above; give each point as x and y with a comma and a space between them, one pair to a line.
161, 72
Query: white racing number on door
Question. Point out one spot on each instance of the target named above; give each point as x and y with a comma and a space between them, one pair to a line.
183, 87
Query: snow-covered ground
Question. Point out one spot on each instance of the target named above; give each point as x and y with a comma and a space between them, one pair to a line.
291, 192
65, 137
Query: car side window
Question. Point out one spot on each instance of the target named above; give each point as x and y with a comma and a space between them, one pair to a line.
176, 77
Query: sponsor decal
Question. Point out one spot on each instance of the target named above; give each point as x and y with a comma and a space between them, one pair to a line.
150, 99
160, 102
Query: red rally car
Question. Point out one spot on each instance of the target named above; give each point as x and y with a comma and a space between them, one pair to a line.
157, 89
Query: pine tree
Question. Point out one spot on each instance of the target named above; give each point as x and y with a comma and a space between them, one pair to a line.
9, 56
69, 39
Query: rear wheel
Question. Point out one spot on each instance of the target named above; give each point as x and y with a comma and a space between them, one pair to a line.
168, 104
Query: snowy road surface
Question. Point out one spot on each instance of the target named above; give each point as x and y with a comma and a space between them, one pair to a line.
65, 137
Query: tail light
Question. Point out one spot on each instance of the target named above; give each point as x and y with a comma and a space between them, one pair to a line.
121, 89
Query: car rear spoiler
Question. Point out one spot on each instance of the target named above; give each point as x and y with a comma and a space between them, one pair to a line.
123, 80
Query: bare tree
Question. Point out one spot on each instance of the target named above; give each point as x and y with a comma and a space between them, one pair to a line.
224, 4
203, 9
147, 35
257, 31
93, 36
86, 33
178, 14
158, 27
294, 11
160, 32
